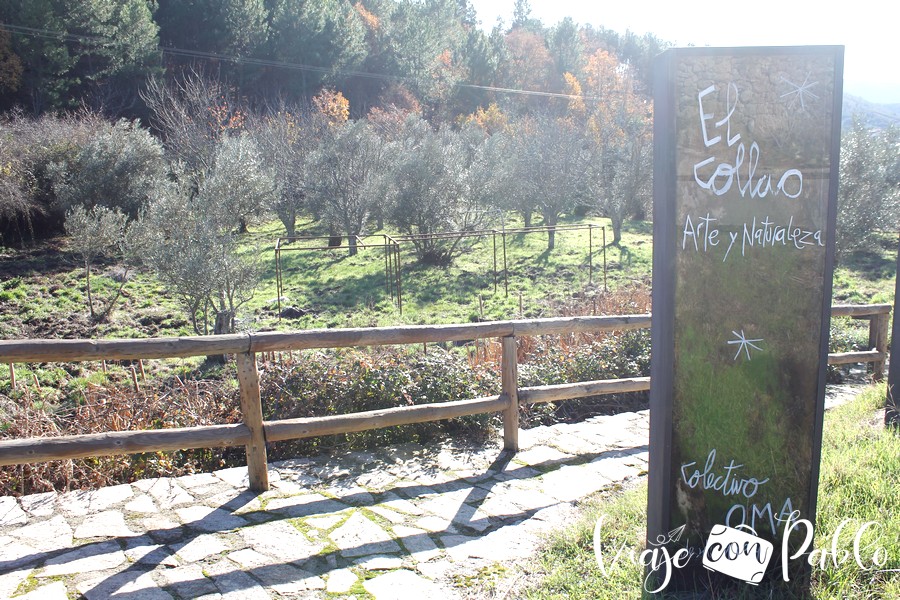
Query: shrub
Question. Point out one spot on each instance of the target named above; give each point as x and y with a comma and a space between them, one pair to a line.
612, 357
347, 381
28, 150
78, 407
119, 168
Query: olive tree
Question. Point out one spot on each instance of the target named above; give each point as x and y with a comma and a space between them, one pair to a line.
286, 137
193, 240
551, 158
117, 168
344, 175
435, 185
96, 232
869, 195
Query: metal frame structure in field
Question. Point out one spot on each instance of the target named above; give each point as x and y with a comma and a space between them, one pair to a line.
393, 278
392, 255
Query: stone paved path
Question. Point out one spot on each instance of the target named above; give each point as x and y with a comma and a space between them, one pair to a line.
401, 522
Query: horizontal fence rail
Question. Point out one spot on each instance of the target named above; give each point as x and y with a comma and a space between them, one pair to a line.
254, 433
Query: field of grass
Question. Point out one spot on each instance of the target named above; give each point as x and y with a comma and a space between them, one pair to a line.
42, 287
860, 462
337, 290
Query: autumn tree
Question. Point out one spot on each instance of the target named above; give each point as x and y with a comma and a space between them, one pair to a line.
621, 143
528, 67
11, 67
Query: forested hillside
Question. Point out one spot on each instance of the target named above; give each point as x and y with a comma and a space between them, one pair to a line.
63, 55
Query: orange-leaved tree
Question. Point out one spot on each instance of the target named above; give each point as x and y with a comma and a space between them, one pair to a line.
619, 122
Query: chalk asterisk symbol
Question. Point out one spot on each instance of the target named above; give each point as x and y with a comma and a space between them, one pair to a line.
800, 92
744, 344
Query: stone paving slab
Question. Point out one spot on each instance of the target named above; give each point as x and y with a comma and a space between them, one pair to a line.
414, 518
400, 522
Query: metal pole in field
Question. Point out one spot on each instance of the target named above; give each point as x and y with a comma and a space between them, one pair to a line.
505, 271
494, 236
399, 279
892, 407
604, 259
388, 287
278, 284
590, 253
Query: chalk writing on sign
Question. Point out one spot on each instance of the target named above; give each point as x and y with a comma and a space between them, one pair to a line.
741, 171
801, 93
730, 483
741, 174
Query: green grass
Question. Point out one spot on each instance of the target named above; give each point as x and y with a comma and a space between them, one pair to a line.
44, 294
342, 291
860, 462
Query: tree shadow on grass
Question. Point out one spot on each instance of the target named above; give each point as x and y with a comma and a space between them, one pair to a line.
870, 264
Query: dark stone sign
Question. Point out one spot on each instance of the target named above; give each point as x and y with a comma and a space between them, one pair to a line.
745, 186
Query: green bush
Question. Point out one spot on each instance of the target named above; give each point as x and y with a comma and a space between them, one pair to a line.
346, 381
612, 357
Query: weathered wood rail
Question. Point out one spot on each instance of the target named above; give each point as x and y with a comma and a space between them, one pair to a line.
254, 432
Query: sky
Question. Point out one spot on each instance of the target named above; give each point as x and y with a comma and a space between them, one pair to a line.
867, 29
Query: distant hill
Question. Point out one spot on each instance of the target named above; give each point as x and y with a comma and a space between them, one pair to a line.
877, 115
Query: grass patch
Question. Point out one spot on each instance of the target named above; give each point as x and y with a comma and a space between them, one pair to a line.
860, 462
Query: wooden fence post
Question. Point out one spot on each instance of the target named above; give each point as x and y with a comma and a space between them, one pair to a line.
878, 338
251, 408
509, 373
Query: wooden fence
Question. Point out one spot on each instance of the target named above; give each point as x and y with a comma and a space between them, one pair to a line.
254, 432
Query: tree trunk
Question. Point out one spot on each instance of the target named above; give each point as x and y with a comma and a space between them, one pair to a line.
288, 218
224, 322
551, 237
526, 216
334, 238
224, 325
617, 229
351, 242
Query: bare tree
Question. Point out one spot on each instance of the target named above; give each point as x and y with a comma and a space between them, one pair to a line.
191, 113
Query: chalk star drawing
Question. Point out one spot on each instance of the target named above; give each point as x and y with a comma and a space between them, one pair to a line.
800, 92
744, 344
